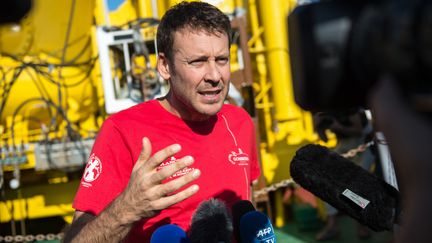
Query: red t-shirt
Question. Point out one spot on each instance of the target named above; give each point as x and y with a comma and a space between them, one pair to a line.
224, 149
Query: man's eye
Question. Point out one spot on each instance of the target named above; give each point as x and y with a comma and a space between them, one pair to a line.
197, 63
222, 61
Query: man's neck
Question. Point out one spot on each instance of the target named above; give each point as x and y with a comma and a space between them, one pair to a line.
180, 111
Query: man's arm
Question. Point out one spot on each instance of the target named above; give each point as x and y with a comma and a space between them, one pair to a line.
85, 228
80, 219
143, 197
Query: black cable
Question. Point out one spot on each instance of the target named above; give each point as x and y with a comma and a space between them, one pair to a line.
49, 69
8, 87
55, 65
68, 30
16, 113
86, 47
51, 79
48, 152
4, 74
39, 85
63, 57
74, 136
41, 90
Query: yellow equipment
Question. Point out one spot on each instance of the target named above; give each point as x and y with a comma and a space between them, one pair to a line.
69, 64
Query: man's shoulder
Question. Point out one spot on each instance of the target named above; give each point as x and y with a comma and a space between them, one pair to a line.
142, 114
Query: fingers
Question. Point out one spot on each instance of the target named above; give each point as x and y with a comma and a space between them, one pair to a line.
147, 173
171, 169
162, 192
167, 201
146, 187
162, 155
146, 149
182, 180
154, 161
147, 164
145, 153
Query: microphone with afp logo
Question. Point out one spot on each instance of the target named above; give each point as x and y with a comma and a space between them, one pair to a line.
169, 233
251, 226
255, 227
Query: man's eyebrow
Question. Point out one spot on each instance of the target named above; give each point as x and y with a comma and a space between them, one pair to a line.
223, 56
194, 58
204, 57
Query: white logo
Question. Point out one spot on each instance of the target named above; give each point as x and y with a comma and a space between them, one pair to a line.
172, 160
266, 235
239, 158
93, 169
264, 232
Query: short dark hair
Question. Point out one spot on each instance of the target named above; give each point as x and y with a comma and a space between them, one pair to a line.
199, 16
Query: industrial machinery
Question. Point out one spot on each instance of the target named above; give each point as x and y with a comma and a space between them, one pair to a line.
67, 65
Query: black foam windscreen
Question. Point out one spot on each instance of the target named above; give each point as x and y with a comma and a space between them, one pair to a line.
346, 186
211, 223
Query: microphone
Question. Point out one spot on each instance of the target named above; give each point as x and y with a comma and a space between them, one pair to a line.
211, 223
169, 233
346, 186
255, 227
239, 209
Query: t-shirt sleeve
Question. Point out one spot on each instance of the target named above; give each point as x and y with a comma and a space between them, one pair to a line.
107, 171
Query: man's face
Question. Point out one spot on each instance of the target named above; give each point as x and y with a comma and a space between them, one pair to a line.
200, 79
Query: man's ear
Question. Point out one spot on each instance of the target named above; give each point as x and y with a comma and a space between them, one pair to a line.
163, 66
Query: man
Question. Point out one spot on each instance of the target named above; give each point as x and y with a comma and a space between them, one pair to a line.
205, 148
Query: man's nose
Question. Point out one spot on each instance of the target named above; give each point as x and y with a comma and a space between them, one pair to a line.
213, 73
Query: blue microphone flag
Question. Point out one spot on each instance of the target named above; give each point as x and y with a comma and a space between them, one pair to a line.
255, 227
169, 233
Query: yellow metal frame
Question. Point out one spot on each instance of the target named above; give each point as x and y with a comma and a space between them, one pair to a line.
284, 127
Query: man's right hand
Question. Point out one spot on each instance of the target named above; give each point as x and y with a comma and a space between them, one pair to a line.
145, 194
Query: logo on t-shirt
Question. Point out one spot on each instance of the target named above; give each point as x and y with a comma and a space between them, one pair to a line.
93, 169
238, 158
172, 160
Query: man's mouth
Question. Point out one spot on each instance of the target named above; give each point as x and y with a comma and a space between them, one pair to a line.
209, 92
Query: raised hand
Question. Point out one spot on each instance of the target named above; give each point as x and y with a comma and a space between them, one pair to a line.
145, 194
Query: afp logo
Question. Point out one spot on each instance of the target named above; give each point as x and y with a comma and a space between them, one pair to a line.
257, 228
266, 235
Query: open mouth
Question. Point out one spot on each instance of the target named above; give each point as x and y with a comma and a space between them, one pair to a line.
209, 93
